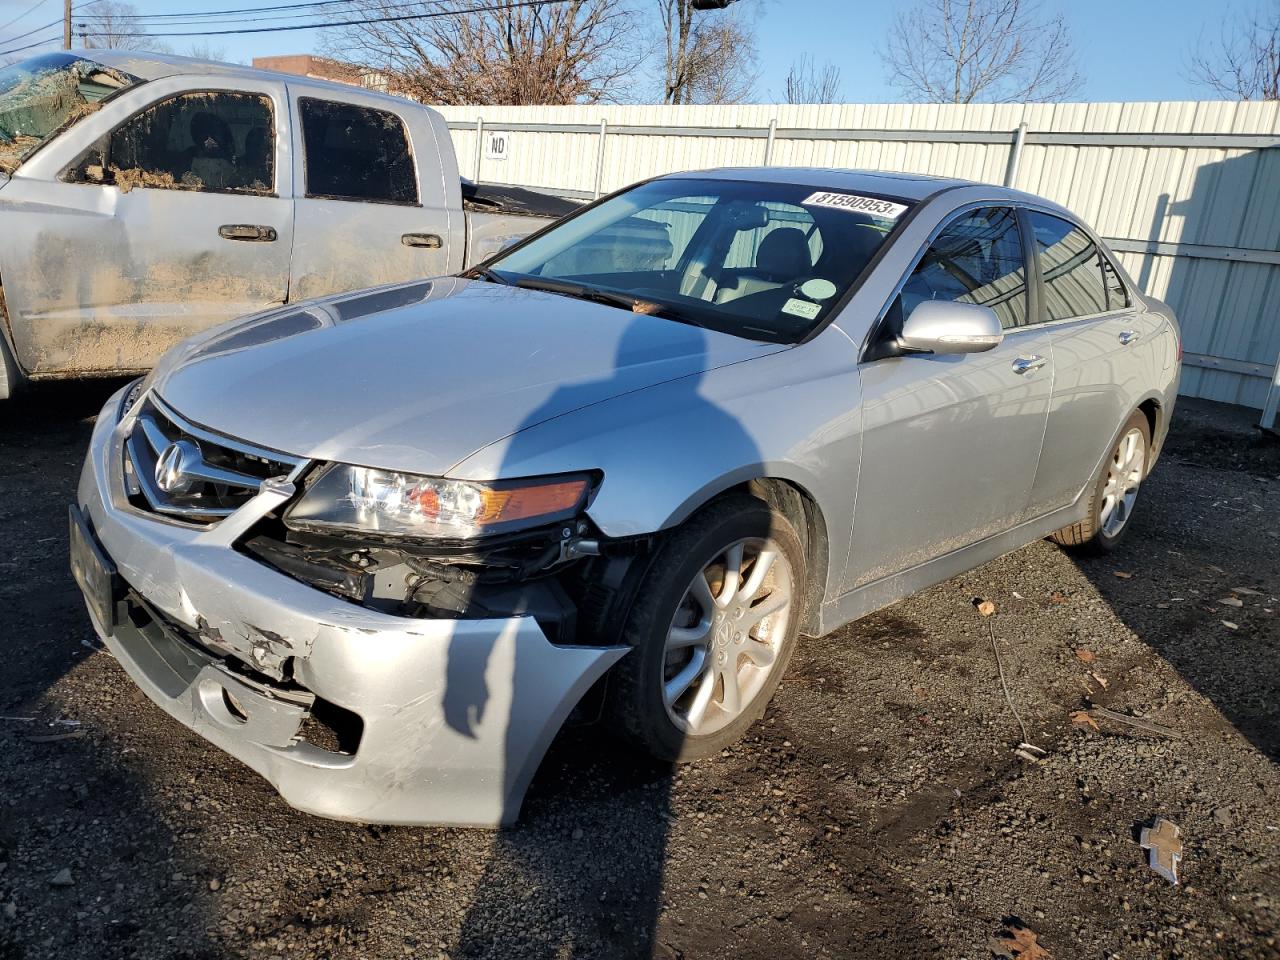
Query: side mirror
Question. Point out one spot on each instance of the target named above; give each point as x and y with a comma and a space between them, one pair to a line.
945, 326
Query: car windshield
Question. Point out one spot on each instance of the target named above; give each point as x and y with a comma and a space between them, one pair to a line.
40, 96
764, 261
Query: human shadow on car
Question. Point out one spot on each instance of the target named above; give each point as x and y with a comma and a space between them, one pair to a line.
581, 875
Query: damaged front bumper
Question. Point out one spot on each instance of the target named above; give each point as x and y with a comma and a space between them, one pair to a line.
453, 716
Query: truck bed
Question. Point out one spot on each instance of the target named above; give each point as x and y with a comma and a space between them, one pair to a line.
514, 201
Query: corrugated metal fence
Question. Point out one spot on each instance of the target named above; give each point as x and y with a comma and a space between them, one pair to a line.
1187, 193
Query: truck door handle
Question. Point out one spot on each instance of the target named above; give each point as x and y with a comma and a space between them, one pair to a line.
431, 241
1027, 364
1128, 336
251, 232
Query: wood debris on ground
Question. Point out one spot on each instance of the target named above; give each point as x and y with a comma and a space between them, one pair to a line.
1017, 942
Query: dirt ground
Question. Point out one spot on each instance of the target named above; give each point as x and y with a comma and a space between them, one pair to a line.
878, 811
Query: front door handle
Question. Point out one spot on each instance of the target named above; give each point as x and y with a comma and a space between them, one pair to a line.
1027, 364
430, 241
250, 232
1128, 336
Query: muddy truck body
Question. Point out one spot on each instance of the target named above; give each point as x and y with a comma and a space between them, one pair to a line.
145, 198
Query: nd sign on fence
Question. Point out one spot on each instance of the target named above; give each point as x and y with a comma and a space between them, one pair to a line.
497, 145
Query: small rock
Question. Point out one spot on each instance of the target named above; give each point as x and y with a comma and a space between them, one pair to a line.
62, 878
1122, 574
1232, 602
1223, 816
215, 884
1230, 626
1246, 591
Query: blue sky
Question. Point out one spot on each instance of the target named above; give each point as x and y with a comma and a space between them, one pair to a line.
1128, 49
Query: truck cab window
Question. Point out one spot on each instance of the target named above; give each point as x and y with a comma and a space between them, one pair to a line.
356, 153
212, 142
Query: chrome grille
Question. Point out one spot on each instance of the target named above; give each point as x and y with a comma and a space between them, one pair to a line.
208, 476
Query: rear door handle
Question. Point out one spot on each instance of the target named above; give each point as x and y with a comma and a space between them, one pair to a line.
250, 232
430, 241
1027, 364
1128, 336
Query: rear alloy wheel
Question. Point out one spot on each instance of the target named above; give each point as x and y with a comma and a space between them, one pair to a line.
713, 627
1115, 492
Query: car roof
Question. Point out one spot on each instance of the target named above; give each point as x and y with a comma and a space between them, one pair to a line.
156, 66
908, 186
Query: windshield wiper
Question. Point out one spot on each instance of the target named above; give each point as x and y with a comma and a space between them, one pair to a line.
484, 273
623, 300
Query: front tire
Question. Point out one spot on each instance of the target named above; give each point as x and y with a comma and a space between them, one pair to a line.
1115, 492
713, 628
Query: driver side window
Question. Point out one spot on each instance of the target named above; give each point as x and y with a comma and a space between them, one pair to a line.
210, 142
977, 258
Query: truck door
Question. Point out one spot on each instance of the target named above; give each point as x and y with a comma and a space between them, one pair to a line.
177, 217
372, 207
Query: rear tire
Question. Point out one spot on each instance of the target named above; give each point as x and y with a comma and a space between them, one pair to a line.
10, 374
707, 656
1114, 492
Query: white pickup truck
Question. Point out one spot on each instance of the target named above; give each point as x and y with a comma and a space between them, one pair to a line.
145, 197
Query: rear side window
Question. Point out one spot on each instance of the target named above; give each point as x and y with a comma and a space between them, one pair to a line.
1070, 267
977, 258
211, 142
356, 153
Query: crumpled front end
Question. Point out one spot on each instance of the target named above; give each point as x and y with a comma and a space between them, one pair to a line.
350, 712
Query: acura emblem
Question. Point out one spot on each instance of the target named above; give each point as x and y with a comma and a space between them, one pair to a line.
174, 469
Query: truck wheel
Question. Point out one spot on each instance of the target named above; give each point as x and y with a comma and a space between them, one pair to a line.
713, 629
10, 375
1115, 492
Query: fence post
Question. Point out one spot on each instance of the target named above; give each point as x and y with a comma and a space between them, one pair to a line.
604, 132
479, 145
1273, 400
1015, 154
768, 144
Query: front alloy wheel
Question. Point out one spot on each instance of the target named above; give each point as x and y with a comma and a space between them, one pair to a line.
726, 635
712, 629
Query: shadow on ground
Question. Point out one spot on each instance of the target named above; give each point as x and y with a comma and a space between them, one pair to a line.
877, 811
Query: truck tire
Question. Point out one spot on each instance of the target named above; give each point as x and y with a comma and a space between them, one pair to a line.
1114, 493
10, 375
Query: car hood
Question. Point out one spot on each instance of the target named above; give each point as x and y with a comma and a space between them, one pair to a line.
419, 376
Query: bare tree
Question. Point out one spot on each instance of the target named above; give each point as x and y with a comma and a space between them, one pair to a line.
961, 51
808, 83
571, 52
1245, 61
114, 25
708, 57
204, 50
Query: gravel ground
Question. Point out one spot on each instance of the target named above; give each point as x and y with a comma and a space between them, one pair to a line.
878, 811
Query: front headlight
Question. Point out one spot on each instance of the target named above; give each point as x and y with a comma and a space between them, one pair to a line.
367, 500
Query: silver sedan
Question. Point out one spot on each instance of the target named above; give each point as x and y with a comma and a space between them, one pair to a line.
380, 546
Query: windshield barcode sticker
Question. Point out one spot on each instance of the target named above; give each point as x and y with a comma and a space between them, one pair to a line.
801, 308
856, 204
